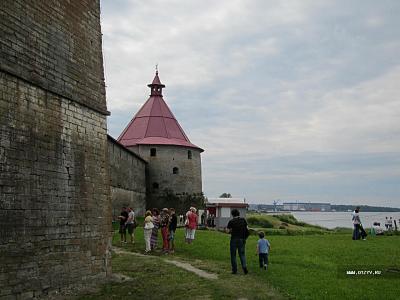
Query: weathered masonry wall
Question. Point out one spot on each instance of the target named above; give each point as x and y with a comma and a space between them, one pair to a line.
55, 44
128, 178
168, 157
160, 177
55, 209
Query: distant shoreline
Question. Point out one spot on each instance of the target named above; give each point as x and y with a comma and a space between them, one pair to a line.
333, 208
311, 211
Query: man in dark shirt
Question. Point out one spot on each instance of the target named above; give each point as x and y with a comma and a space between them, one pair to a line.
122, 228
237, 227
172, 228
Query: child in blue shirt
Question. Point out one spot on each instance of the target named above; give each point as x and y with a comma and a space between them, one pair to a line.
263, 247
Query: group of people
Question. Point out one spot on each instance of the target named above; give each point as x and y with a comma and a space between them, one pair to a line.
391, 223
207, 220
167, 221
127, 222
376, 229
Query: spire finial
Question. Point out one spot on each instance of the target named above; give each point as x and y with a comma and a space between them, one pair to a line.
156, 86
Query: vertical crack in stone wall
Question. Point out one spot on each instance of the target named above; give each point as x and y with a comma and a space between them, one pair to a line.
55, 210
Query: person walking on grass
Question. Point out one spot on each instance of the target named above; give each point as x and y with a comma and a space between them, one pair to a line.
390, 224
147, 230
154, 233
356, 223
130, 224
164, 222
358, 231
263, 247
191, 225
122, 220
237, 227
387, 224
173, 222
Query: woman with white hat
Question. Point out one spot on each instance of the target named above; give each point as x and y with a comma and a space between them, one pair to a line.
191, 225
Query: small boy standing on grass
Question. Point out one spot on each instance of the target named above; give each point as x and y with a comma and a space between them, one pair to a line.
263, 247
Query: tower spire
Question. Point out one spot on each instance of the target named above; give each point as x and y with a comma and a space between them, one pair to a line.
156, 86
155, 124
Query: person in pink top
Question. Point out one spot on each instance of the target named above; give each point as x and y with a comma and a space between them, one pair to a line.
191, 225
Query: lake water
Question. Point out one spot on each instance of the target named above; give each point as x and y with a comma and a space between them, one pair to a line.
343, 219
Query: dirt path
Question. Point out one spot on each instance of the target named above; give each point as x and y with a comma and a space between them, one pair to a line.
182, 265
190, 268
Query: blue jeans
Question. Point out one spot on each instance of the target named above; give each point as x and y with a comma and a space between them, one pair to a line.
263, 259
239, 245
356, 232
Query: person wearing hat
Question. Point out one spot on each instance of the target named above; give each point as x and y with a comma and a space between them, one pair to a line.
191, 225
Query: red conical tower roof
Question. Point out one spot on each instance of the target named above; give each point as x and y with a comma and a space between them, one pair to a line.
154, 123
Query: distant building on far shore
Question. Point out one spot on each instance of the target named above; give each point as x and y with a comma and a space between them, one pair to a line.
302, 206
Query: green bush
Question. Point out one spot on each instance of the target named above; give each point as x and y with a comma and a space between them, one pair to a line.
259, 222
290, 219
253, 231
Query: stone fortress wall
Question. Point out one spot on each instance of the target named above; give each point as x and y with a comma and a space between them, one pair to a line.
55, 209
128, 179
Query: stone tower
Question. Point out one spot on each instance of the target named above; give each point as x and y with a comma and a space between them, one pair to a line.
174, 163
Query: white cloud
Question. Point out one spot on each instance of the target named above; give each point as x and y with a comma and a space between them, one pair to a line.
263, 80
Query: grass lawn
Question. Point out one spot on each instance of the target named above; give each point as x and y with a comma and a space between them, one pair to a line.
301, 267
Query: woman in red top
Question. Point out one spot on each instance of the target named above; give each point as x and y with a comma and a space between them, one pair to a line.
191, 225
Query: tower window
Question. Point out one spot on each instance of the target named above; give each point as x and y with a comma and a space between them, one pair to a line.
155, 185
175, 170
153, 152
189, 154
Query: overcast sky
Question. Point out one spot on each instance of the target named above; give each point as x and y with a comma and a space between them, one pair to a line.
291, 100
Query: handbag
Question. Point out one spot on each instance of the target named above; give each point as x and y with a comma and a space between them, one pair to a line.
149, 225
